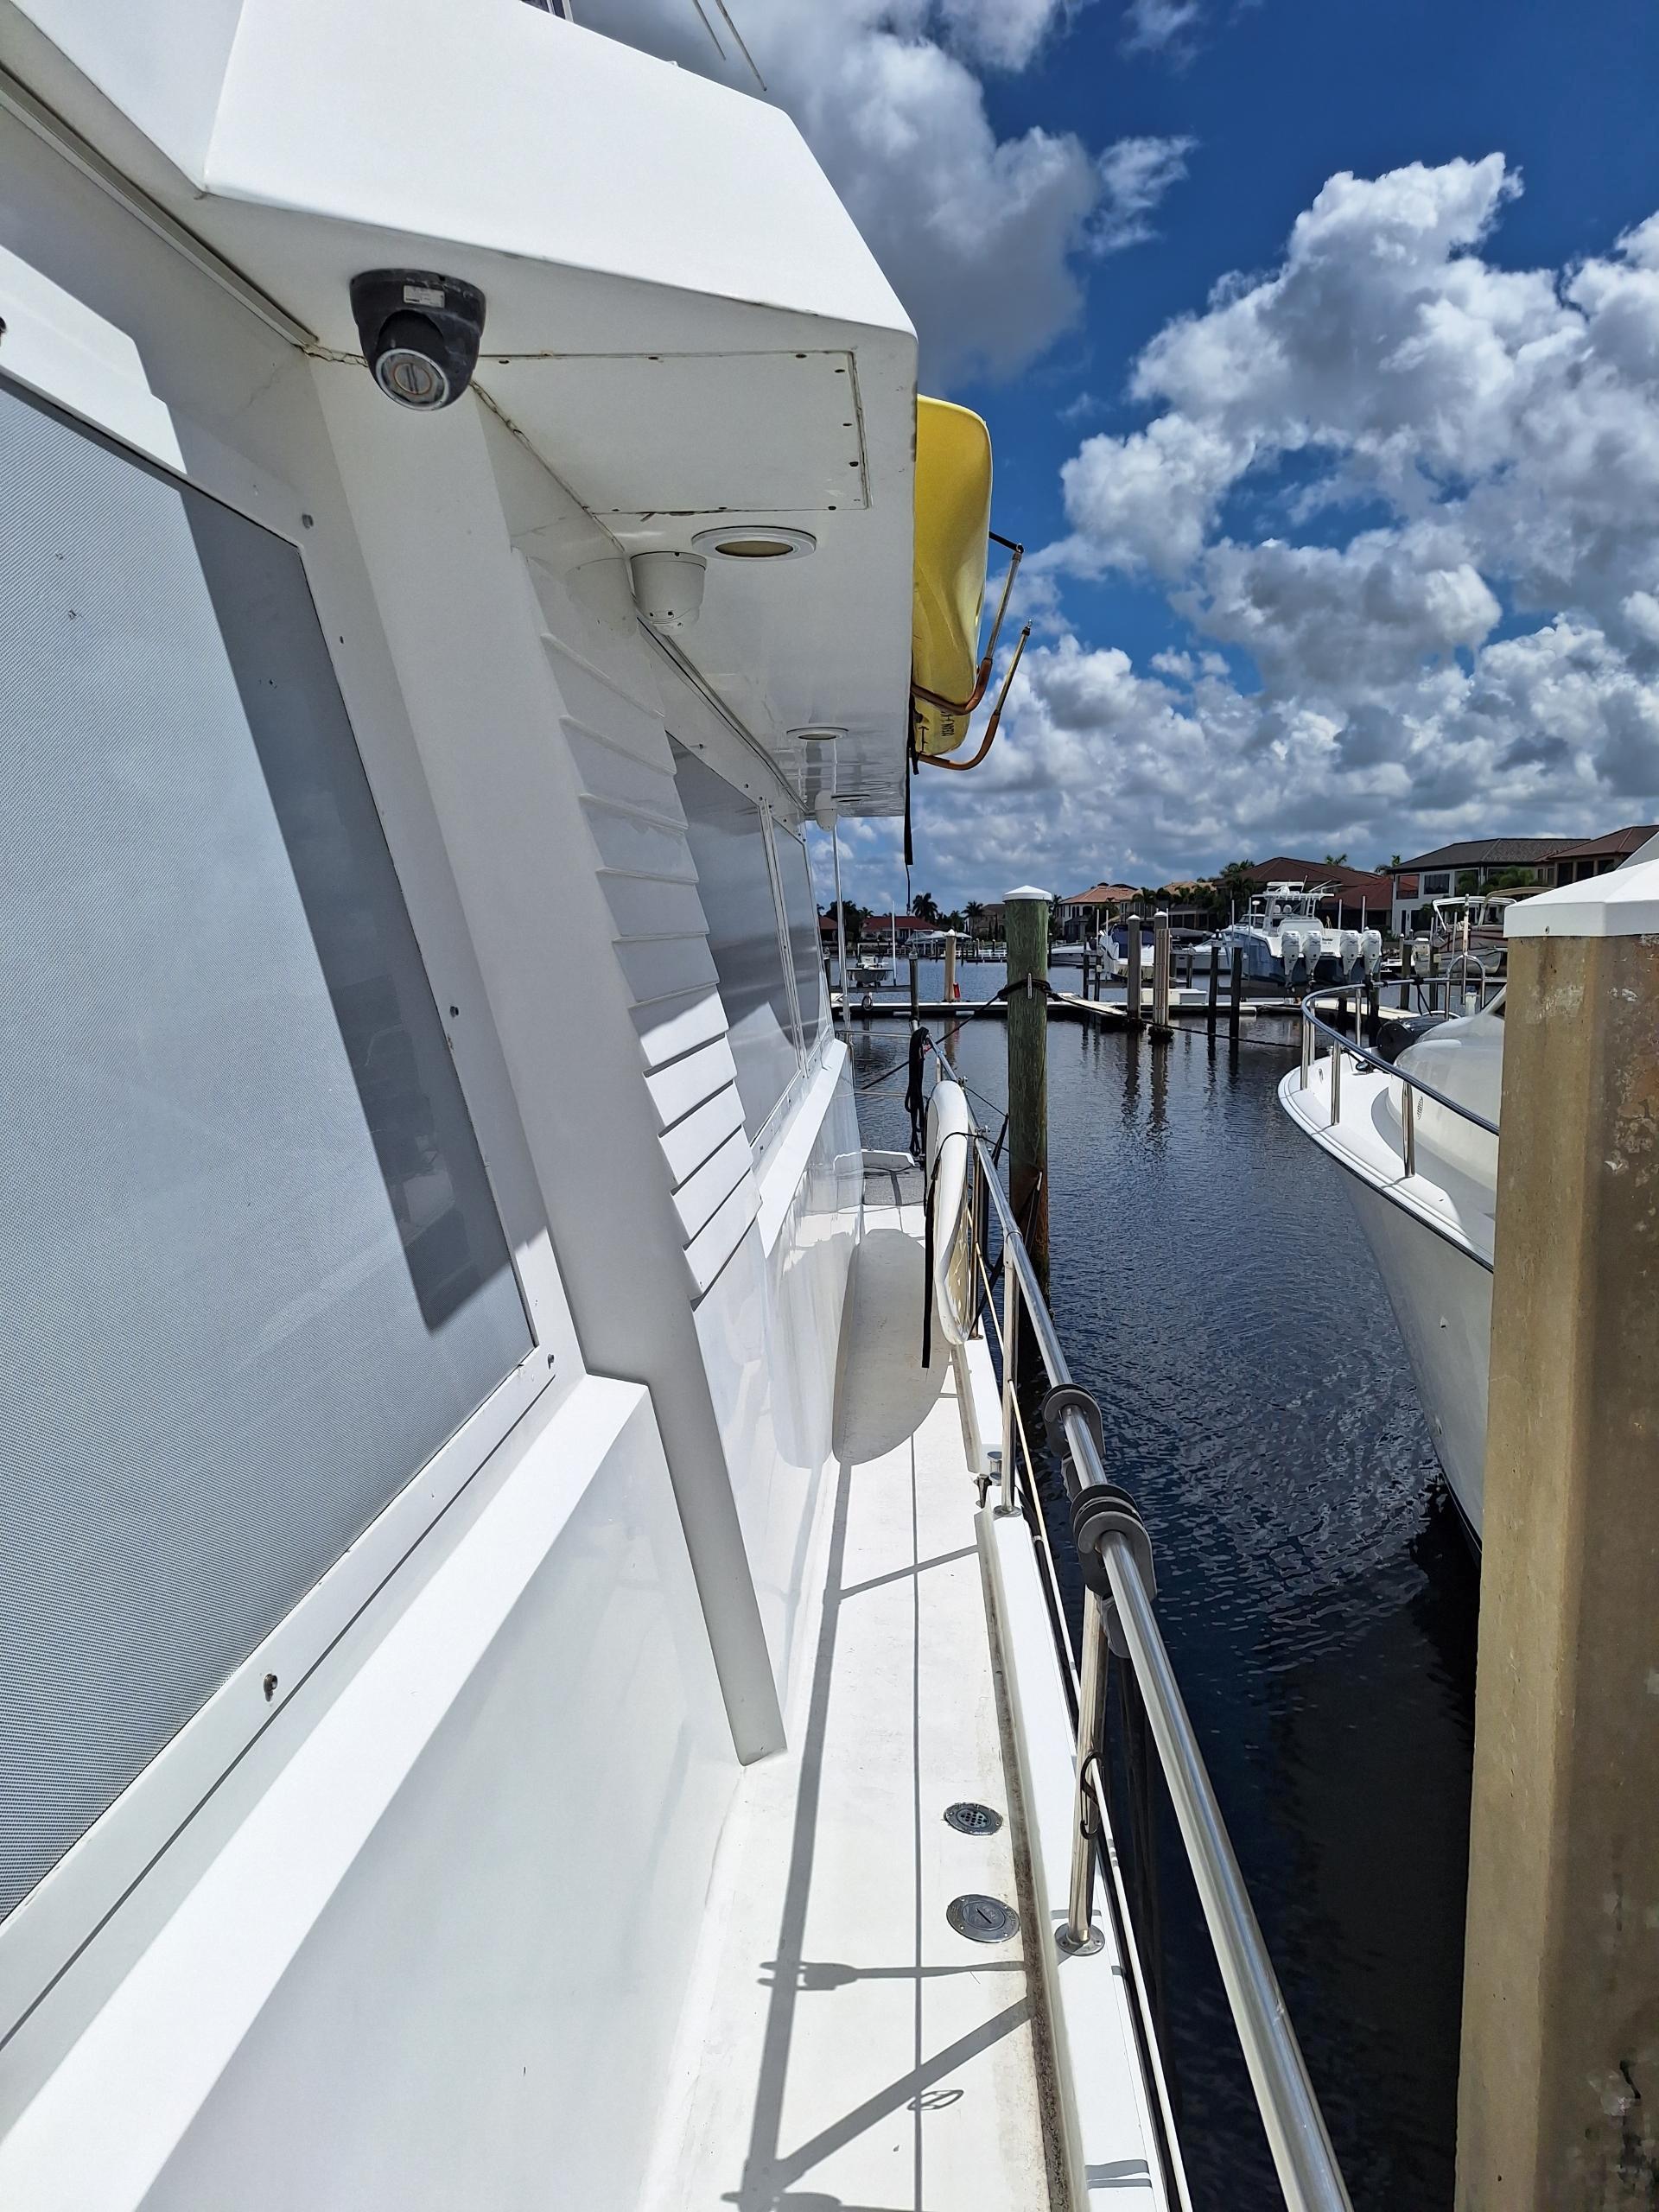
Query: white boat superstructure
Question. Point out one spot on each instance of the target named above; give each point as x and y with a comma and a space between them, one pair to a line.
1471, 926
532, 1673
1284, 941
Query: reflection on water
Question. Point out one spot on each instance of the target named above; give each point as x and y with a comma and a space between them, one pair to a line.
1211, 1286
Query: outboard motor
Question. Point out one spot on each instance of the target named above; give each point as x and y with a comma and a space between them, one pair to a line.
1371, 950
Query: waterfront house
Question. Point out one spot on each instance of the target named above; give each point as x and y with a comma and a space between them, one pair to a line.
1474, 865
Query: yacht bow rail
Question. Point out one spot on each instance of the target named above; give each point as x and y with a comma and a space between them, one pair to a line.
1411, 1086
1115, 1556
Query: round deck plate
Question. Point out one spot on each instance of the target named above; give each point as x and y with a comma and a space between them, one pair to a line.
969, 1819
982, 1920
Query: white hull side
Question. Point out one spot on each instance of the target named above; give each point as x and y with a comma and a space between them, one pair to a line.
1442, 1299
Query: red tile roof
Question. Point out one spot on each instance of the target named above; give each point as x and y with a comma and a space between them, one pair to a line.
1615, 841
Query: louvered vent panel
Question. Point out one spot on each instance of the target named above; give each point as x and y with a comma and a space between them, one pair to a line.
626, 777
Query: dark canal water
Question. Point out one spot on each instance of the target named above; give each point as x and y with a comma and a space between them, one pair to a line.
1212, 1287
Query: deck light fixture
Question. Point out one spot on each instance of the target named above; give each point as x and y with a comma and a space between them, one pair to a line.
420, 334
755, 542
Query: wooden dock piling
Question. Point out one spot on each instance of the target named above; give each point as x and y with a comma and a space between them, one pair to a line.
1215, 989
1236, 994
1161, 974
950, 967
1025, 914
1559, 2095
1132, 964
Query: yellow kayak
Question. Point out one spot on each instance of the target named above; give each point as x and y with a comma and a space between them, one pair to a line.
953, 522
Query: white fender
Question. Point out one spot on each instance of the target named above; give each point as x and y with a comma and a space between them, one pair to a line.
950, 1139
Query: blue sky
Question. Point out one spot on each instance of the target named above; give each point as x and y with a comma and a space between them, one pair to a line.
1320, 349
1278, 95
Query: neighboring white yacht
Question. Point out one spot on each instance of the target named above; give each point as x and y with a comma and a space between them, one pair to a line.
1284, 941
1430, 1227
1426, 1193
523, 1684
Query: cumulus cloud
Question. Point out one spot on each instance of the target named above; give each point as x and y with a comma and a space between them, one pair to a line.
1405, 501
1415, 495
886, 94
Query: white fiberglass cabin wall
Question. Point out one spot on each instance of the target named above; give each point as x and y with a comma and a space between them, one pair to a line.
433, 1176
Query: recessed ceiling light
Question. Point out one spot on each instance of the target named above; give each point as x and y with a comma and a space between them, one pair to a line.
755, 542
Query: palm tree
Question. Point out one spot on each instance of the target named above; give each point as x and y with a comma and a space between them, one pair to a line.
925, 906
1334, 860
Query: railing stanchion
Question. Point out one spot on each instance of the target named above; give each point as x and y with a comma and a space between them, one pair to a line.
1078, 1933
1408, 1127
1336, 1082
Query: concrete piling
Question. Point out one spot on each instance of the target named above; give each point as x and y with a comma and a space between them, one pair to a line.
1236, 994
1559, 2095
1132, 977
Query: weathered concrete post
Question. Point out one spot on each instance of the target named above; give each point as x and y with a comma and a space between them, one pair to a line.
950, 967
1132, 978
1559, 2097
1215, 985
1236, 993
1028, 928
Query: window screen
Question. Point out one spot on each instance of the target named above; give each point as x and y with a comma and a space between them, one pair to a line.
728, 844
801, 910
251, 1272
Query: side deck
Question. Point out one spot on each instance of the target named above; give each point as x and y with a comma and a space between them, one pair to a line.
846, 2043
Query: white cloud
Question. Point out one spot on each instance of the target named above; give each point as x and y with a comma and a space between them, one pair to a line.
1475, 651
1002, 34
1343, 625
977, 234
1136, 174
1159, 26
1148, 499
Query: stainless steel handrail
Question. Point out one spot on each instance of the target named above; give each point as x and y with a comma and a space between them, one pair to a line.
1302, 2154
1312, 1025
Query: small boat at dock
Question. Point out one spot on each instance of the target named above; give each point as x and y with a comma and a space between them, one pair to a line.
1284, 941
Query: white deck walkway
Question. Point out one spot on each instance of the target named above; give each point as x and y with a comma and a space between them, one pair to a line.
846, 2050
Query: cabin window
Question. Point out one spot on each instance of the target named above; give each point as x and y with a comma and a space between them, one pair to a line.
726, 834
801, 916
254, 1277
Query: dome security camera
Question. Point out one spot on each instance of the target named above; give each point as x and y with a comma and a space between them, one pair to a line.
420, 334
